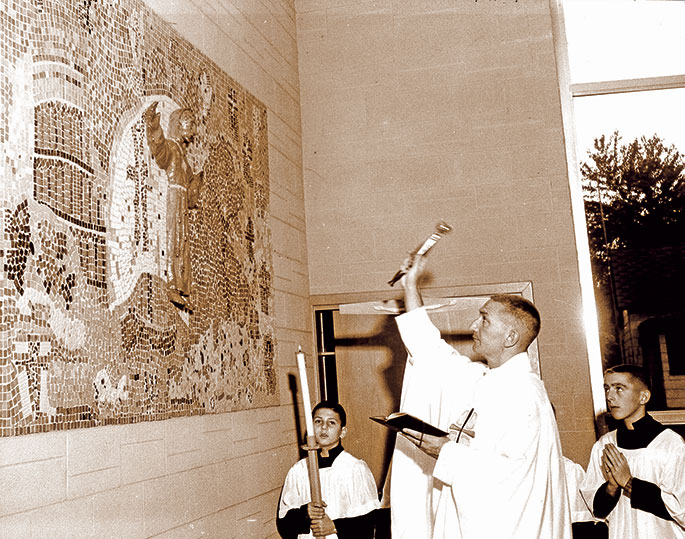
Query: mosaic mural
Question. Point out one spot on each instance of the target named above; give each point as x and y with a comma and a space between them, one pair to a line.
135, 279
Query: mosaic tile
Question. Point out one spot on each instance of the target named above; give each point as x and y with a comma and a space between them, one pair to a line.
88, 334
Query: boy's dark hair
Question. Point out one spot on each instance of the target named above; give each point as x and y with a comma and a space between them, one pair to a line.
523, 310
635, 371
336, 407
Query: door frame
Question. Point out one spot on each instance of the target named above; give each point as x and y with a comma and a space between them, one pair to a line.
369, 302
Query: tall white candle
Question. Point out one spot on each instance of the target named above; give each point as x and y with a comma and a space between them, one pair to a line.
305, 392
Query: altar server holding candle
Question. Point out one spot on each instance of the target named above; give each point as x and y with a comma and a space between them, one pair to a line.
348, 490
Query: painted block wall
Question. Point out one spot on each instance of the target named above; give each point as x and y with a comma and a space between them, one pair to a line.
418, 111
206, 476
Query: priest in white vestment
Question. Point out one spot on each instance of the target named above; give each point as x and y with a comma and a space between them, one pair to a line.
507, 480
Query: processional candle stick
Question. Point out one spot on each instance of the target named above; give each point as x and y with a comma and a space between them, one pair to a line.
312, 462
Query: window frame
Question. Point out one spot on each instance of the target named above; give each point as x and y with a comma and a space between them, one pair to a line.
568, 93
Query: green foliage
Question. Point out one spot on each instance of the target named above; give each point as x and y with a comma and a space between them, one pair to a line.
634, 197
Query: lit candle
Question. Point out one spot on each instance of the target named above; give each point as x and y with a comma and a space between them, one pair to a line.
305, 392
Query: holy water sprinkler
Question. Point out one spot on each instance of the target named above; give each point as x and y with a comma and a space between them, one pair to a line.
441, 229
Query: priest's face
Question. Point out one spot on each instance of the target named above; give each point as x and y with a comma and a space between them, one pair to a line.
490, 332
626, 396
328, 428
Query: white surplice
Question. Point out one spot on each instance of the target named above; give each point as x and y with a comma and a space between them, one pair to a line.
347, 487
510, 481
662, 462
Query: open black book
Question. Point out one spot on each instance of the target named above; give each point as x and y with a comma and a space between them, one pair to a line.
401, 420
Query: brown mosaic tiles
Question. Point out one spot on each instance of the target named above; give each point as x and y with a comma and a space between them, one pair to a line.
88, 335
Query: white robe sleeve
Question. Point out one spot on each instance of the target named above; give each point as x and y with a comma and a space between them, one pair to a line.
438, 380
672, 481
593, 476
433, 389
575, 474
422, 339
490, 461
295, 491
513, 463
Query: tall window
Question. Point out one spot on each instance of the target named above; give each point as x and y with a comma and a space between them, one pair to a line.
627, 70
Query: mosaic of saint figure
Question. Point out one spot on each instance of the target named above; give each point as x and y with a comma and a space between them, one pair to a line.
184, 191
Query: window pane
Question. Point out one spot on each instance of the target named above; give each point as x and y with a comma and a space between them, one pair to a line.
633, 115
634, 202
620, 39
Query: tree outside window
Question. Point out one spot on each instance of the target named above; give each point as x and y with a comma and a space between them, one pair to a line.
634, 196
628, 87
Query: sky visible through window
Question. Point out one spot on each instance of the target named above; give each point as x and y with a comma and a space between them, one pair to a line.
627, 39
633, 114
635, 242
